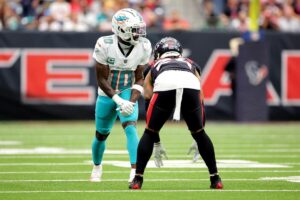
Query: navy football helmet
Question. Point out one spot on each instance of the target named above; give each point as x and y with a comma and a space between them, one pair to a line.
167, 47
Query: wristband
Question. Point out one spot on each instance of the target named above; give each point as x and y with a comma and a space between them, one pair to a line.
117, 99
138, 88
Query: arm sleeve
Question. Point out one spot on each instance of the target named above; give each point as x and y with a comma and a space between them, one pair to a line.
99, 53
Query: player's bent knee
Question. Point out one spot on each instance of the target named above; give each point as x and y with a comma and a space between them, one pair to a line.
150, 131
101, 137
154, 135
125, 124
199, 131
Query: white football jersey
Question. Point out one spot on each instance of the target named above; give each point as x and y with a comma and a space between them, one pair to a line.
107, 52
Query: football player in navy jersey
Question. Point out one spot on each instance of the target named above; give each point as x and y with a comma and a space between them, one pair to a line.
173, 83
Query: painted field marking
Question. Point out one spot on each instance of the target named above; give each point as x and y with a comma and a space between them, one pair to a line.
9, 143
52, 150
260, 150
109, 154
167, 164
189, 164
141, 191
42, 164
47, 150
158, 172
293, 179
148, 180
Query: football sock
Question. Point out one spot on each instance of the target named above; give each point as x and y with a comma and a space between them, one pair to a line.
132, 142
206, 150
145, 149
98, 148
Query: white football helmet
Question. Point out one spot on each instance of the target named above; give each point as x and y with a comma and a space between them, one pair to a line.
129, 25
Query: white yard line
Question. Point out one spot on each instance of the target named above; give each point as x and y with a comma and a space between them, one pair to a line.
223, 164
22, 156
9, 143
42, 164
258, 156
141, 191
59, 151
160, 171
124, 180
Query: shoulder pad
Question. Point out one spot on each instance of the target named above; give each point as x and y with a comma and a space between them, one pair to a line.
146, 44
197, 67
189, 60
105, 41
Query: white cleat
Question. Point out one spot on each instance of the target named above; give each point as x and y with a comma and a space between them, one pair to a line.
96, 173
131, 175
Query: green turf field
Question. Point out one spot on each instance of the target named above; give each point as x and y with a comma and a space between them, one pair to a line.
51, 160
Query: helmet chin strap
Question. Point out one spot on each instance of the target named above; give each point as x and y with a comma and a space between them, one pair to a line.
124, 42
125, 47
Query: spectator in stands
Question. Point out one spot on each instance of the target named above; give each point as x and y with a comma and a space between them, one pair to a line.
218, 6
244, 5
151, 4
86, 17
175, 22
231, 9
29, 7
241, 23
211, 19
10, 17
75, 24
104, 17
60, 12
270, 11
288, 22
149, 16
296, 6
2, 5
50, 15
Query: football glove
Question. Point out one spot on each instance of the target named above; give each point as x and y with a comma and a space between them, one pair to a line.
194, 147
126, 107
159, 153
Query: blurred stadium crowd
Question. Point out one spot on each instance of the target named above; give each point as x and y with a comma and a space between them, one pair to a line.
161, 15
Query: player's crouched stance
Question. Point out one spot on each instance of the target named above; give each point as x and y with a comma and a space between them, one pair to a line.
174, 82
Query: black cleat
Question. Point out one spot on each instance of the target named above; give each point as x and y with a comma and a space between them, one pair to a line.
137, 183
216, 182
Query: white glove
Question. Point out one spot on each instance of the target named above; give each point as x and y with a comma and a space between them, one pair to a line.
126, 107
159, 152
194, 147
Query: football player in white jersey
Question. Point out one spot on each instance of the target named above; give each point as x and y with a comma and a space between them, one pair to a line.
120, 60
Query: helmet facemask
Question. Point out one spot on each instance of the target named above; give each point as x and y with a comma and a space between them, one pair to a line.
132, 34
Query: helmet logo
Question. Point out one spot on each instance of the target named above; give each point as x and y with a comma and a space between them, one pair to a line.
121, 19
170, 44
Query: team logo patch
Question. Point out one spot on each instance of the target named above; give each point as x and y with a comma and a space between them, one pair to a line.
108, 40
111, 60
